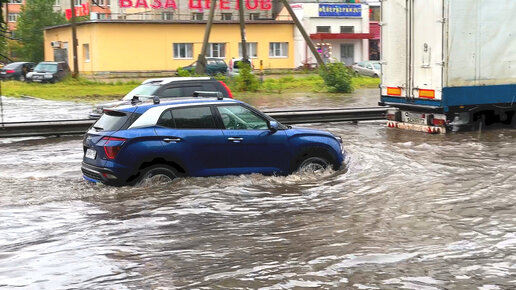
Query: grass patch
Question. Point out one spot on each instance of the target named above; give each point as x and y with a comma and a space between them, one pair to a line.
97, 91
69, 89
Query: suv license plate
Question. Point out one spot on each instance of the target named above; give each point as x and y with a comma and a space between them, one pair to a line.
90, 154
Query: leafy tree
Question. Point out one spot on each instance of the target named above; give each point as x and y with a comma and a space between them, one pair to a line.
35, 15
246, 80
337, 77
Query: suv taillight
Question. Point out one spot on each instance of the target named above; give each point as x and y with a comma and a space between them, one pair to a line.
10, 71
230, 95
113, 146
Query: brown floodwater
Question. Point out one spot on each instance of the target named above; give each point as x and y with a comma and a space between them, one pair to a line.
412, 211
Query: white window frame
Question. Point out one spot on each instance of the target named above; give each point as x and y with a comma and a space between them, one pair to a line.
77, 2
86, 52
278, 49
15, 1
254, 16
252, 49
224, 16
167, 15
13, 17
197, 16
187, 47
216, 50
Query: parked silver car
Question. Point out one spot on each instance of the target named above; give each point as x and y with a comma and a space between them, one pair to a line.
368, 68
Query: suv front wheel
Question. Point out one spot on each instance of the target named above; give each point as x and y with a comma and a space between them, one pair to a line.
315, 165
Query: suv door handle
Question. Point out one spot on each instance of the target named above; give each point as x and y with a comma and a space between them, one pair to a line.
236, 139
168, 140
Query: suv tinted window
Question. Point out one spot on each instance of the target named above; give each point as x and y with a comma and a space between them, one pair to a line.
114, 121
240, 118
166, 120
144, 90
194, 118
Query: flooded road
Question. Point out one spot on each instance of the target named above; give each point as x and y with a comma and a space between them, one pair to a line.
413, 211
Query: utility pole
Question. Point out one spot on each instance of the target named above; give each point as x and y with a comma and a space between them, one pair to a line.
200, 67
245, 57
75, 73
308, 41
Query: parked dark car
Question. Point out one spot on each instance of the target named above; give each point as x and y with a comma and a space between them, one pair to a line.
165, 88
49, 72
213, 66
203, 136
16, 70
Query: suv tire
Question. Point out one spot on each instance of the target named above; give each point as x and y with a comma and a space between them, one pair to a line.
314, 165
157, 174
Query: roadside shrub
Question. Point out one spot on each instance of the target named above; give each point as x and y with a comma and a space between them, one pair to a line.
183, 73
337, 77
245, 80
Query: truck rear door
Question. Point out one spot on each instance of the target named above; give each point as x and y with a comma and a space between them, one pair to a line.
412, 47
426, 57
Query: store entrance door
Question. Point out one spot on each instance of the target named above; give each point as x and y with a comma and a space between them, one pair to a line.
347, 53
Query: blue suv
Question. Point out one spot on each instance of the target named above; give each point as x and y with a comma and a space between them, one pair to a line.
199, 136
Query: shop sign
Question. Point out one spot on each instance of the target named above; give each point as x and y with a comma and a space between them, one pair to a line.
83, 10
196, 4
340, 10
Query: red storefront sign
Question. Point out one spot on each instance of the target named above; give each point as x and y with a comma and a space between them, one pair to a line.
195, 4
83, 10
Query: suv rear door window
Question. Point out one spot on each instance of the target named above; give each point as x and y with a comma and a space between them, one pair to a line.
194, 118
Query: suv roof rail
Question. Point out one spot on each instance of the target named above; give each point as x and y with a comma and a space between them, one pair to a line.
216, 94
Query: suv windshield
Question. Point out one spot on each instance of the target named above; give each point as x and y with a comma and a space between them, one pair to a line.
46, 67
143, 90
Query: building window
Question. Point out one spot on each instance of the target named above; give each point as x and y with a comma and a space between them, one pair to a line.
252, 50
57, 3
103, 16
13, 17
217, 50
278, 49
323, 29
167, 16
86, 52
226, 16
104, 2
254, 16
77, 2
374, 13
183, 50
347, 29
197, 16
15, 1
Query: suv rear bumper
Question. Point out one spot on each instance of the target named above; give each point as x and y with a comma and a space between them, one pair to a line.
99, 174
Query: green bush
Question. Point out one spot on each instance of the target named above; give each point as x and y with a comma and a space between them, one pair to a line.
245, 80
337, 77
183, 73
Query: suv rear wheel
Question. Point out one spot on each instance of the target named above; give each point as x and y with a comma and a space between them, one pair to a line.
156, 175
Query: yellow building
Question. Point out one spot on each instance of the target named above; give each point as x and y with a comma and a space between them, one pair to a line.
130, 46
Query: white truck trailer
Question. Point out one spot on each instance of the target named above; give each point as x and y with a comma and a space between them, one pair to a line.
448, 64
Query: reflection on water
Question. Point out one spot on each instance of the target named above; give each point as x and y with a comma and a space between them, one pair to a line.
413, 211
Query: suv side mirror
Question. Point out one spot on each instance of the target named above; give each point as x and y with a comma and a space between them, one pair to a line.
273, 126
